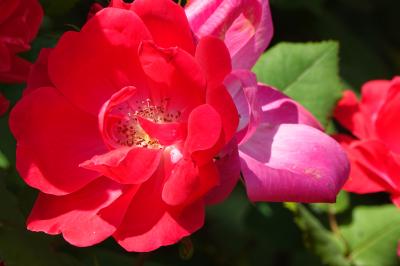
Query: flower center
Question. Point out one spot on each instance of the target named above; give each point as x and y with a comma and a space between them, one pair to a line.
127, 130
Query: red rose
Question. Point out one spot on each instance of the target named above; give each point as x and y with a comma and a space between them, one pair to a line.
19, 24
120, 126
374, 147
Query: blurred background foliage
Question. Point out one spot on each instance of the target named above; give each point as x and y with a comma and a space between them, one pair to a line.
357, 230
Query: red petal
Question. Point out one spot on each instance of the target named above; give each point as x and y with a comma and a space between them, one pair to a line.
204, 133
126, 165
348, 114
387, 127
39, 76
77, 216
165, 133
373, 167
167, 23
18, 72
149, 223
181, 80
229, 171
187, 183
213, 57
99, 60
53, 138
220, 99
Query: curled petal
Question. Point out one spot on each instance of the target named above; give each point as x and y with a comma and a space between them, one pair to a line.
242, 86
126, 165
293, 162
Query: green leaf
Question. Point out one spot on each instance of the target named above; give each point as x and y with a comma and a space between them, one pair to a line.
341, 205
4, 163
373, 235
307, 72
321, 241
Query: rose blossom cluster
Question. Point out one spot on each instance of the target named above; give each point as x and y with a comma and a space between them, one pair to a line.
130, 127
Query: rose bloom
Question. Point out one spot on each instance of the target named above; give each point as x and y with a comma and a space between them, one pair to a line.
19, 24
374, 144
120, 126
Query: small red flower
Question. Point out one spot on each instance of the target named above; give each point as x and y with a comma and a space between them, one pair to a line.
19, 24
374, 146
120, 125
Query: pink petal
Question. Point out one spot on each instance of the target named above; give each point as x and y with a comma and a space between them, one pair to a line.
277, 108
245, 26
242, 86
292, 162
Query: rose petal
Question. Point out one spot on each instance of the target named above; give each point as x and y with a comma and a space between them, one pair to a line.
99, 60
204, 133
361, 179
181, 80
187, 183
159, 15
277, 108
213, 57
53, 138
245, 26
159, 224
77, 215
386, 126
38, 75
242, 86
229, 171
375, 167
293, 162
126, 165
348, 114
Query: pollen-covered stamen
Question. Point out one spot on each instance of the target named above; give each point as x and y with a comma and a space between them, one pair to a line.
128, 132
